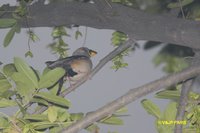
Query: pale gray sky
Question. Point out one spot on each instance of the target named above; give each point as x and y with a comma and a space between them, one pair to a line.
106, 85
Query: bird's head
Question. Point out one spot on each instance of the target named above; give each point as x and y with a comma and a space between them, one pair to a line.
85, 51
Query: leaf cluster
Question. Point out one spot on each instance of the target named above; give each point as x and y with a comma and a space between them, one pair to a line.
118, 38
22, 86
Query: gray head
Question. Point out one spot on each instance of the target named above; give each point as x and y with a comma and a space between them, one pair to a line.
85, 51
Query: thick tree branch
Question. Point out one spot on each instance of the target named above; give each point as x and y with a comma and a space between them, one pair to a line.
141, 25
128, 44
131, 96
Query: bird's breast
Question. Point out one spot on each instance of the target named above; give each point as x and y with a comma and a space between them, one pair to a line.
82, 68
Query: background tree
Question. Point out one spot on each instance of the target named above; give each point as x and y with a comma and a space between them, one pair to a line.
167, 21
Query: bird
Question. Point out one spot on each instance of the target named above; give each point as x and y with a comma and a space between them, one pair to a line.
76, 66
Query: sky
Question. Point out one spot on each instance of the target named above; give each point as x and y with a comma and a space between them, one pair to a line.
106, 85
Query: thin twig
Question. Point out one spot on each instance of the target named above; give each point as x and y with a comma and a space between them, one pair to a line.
85, 37
29, 29
181, 7
131, 96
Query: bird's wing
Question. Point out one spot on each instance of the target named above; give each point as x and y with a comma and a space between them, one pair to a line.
61, 62
66, 63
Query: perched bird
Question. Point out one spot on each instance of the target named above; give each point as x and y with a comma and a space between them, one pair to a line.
76, 66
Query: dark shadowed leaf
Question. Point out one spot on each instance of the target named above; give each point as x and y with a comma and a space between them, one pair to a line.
39, 101
9, 69
5, 23
9, 37
4, 85
36, 117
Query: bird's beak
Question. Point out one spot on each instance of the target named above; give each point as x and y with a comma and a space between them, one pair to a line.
92, 53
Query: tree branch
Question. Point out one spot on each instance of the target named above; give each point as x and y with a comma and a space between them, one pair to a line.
186, 88
131, 96
128, 44
141, 25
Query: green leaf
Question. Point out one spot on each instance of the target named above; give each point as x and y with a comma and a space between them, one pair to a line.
194, 95
168, 94
2, 76
26, 129
113, 120
63, 115
9, 37
170, 111
25, 91
51, 77
77, 34
9, 69
76, 116
29, 53
177, 4
7, 103
22, 108
4, 122
17, 28
93, 128
151, 108
24, 68
23, 86
4, 85
7, 94
55, 129
5, 23
54, 99
59, 31
163, 128
168, 116
33, 36
39, 101
122, 110
20, 77
36, 117
42, 125
52, 114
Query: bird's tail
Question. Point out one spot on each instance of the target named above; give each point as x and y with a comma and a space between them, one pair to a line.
49, 64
